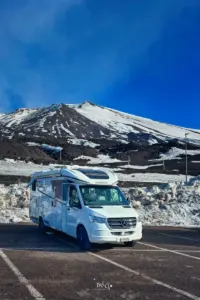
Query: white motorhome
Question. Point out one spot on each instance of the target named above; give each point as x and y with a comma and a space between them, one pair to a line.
85, 204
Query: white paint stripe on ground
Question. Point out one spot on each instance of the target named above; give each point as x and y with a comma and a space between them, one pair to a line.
189, 251
36, 295
135, 250
169, 250
158, 282
179, 237
44, 249
152, 250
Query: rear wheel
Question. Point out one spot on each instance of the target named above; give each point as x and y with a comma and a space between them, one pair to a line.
82, 238
41, 226
130, 243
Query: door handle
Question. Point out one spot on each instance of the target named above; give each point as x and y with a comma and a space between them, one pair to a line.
68, 208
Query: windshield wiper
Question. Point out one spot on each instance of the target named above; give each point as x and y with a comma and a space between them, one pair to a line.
95, 206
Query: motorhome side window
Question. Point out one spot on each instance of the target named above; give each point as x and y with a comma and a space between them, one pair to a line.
57, 187
74, 200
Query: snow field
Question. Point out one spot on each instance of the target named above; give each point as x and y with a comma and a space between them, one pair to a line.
12, 167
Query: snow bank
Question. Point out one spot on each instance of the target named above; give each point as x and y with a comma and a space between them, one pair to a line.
14, 206
172, 204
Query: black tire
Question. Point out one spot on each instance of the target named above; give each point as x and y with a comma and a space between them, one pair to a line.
41, 226
82, 238
130, 243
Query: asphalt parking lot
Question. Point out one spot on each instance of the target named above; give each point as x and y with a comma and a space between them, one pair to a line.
164, 265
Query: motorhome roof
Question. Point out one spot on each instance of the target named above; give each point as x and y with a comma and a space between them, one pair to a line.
81, 175
94, 174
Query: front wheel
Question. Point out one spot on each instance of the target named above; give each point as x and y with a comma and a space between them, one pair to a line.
130, 243
82, 238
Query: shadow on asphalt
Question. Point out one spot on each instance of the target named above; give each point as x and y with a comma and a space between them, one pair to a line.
26, 236
172, 236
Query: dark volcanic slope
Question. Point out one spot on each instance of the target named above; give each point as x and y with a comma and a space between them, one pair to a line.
16, 150
50, 124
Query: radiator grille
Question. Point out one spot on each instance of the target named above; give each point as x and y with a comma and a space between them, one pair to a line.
122, 223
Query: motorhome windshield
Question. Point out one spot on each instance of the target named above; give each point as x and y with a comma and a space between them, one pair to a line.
94, 195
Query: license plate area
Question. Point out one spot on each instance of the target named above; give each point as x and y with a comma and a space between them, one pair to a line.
124, 239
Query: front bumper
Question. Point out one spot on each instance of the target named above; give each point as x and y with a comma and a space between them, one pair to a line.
103, 234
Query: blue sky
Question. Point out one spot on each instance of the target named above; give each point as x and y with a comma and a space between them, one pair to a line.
139, 56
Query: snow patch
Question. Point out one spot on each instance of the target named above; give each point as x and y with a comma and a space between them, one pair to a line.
99, 159
83, 142
139, 167
66, 130
174, 153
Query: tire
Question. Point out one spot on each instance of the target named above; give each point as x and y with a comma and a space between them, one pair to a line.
41, 226
82, 238
130, 243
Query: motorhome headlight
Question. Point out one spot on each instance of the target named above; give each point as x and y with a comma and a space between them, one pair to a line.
97, 219
139, 219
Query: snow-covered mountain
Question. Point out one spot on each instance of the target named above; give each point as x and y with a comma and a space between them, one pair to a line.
89, 134
87, 121
125, 124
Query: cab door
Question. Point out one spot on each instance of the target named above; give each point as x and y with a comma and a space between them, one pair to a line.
74, 211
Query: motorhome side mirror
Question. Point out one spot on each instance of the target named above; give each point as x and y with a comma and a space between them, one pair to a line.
79, 205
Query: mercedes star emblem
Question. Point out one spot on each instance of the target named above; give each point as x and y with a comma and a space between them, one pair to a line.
123, 223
